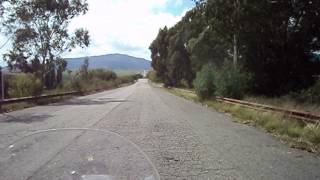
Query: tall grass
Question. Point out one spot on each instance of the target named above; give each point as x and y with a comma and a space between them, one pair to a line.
285, 102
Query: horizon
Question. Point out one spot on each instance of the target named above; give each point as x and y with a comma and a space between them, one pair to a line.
107, 55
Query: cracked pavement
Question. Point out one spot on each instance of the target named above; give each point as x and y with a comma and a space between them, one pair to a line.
129, 132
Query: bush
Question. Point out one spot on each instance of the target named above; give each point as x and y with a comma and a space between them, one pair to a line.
102, 74
126, 79
184, 83
98, 79
23, 85
204, 82
231, 82
311, 95
152, 75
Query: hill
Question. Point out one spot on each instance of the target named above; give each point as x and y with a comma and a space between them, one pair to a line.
111, 61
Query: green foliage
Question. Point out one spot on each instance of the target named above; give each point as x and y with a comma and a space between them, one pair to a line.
310, 95
170, 58
102, 74
274, 42
184, 83
225, 81
84, 69
23, 85
40, 35
97, 79
152, 75
231, 82
204, 83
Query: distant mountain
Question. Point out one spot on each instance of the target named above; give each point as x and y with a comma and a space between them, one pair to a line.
111, 61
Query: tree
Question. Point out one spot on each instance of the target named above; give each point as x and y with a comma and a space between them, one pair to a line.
179, 63
62, 65
40, 35
1, 7
84, 69
275, 39
225, 17
159, 53
272, 42
280, 41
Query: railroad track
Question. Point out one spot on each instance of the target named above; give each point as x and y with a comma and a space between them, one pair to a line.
300, 115
305, 116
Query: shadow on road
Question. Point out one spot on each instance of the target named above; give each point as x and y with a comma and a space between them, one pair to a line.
86, 102
25, 118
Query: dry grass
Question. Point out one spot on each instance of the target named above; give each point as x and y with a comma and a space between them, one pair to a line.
285, 102
24, 105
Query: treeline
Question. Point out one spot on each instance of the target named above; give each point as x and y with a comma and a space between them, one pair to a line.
84, 79
236, 47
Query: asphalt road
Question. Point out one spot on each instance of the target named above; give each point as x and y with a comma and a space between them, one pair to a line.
140, 132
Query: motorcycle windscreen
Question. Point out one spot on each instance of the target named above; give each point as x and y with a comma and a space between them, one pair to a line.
75, 154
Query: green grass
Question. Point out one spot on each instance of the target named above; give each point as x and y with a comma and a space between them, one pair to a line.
121, 72
295, 133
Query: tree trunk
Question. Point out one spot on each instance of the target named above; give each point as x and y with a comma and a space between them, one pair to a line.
235, 50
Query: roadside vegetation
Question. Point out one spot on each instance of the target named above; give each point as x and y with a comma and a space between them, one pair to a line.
267, 51
259, 51
84, 80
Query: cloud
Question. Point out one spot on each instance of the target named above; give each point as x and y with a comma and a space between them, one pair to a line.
123, 26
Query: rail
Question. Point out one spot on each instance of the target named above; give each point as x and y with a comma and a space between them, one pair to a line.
305, 116
300, 115
34, 98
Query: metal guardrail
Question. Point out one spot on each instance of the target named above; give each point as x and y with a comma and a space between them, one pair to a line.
34, 98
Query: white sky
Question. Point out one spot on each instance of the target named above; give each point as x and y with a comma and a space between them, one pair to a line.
123, 26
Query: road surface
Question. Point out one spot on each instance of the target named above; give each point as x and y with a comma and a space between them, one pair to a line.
138, 132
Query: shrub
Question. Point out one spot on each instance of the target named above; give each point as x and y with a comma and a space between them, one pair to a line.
126, 79
23, 85
231, 82
184, 83
311, 95
313, 133
204, 82
137, 76
152, 75
102, 74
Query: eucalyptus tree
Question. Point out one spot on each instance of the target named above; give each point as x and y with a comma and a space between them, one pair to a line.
274, 39
225, 17
40, 35
159, 54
